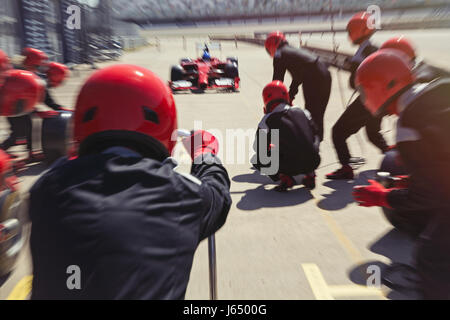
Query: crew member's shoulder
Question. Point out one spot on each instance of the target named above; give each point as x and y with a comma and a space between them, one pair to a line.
425, 100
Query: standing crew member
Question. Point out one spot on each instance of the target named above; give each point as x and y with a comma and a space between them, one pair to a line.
388, 86
298, 141
306, 69
19, 94
56, 75
356, 116
120, 212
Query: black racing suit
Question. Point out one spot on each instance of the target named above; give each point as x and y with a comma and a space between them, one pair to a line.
356, 116
130, 224
287, 137
425, 72
21, 127
423, 140
306, 69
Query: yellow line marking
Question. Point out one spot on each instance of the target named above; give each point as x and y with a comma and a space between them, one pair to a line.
347, 244
22, 290
322, 291
317, 282
353, 290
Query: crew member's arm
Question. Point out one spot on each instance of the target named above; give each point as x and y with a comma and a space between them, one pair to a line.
421, 194
50, 102
215, 182
279, 69
293, 89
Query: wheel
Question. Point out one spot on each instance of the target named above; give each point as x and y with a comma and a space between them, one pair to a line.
56, 136
185, 60
231, 71
177, 73
233, 60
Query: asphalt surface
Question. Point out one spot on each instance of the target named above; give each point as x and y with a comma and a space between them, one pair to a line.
297, 245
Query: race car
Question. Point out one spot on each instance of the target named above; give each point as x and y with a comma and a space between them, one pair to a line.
205, 73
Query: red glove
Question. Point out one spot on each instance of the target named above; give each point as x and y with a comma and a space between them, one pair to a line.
201, 142
374, 195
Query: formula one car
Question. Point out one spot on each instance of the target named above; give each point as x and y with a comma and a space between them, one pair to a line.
205, 73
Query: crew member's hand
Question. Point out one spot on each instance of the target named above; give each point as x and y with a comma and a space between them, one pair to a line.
201, 142
373, 195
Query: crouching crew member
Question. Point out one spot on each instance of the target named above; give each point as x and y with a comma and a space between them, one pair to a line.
119, 211
388, 86
288, 134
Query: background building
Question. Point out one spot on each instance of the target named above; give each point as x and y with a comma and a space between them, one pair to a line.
42, 24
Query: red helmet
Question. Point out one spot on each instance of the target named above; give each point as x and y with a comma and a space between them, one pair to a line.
358, 29
273, 42
402, 44
382, 78
34, 58
274, 92
129, 104
56, 74
20, 92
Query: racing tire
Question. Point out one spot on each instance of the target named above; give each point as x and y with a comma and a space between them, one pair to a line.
233, 60
409, 222
231, 71
177, 73
56, 135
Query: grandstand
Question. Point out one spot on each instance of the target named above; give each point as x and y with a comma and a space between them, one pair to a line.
172, 11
